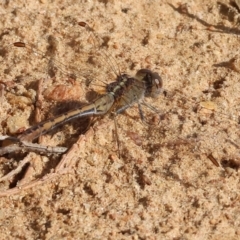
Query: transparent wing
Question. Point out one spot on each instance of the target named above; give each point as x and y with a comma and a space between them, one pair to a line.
75, 52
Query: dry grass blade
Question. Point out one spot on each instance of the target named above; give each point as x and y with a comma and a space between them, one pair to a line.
65, 166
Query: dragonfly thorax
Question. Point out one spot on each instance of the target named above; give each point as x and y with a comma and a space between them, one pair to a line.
120, 86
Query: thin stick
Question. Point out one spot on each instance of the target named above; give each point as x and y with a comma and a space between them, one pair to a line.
63, 167
25, 146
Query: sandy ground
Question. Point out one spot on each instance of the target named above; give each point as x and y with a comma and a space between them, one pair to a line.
165, 185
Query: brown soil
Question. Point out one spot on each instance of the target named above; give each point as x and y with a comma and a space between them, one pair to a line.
165, 185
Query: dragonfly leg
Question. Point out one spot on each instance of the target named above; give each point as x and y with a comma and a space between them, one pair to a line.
116, 134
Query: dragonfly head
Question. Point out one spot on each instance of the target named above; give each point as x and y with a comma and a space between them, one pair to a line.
152, 80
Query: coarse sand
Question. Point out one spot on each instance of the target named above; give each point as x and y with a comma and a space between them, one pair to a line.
166, 184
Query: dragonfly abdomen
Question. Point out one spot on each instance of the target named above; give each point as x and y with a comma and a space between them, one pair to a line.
98, 107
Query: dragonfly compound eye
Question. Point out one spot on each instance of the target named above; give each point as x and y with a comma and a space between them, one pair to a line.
153, 82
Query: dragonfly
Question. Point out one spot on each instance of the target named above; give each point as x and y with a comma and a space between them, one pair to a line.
120, 94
